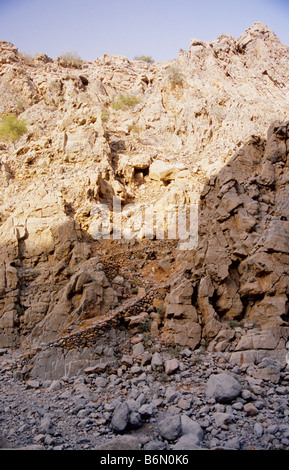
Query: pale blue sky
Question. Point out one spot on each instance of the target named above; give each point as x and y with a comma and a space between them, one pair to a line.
158, 28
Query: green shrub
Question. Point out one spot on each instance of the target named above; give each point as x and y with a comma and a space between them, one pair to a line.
175, 76
11, 128
26, 57
20, 309
125, 101
145, 327
20, 106
144, 58
104, 115
71, 60
234, 323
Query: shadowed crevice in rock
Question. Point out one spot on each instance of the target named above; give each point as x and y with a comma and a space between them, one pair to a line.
239, 271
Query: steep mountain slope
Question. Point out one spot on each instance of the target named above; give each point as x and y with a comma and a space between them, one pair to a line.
146, 134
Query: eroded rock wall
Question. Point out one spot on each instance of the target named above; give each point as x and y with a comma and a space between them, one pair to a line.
49, 274
238, 275
193, 122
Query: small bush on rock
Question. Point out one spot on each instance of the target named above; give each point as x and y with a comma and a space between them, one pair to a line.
175, 76
71, 60
145, 58
11, 127
124, 102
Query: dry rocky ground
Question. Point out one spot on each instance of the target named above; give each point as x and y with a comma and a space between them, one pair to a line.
143, 343
157, 399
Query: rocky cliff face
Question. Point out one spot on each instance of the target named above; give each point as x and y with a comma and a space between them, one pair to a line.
194, 129
238, 275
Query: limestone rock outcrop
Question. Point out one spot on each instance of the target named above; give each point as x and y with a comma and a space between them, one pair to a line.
49, 276
190, 130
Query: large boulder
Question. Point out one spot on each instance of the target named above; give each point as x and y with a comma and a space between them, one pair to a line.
164, 171
169, 426
224, 388
120, 418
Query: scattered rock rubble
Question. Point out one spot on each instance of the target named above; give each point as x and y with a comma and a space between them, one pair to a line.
158, 400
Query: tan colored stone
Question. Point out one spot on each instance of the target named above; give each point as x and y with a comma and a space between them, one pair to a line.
182, 332
181, 311
171, 366
163, 171
182, 294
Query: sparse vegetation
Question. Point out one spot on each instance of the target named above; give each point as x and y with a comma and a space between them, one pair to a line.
174, 350
174, 75
145, 58
234, 323
20, 309
71, 59
147, 340
20, 106
26, 57
135, 128
104, 115
124, 102
161, 311
35, 273
145, 327
11, 127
